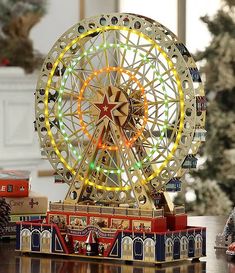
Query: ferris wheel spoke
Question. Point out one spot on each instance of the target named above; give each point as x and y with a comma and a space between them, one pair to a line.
107, 63
150, 83
142, 63
73, 120
107, 80
126, 64
153, 109
53, 88
120, 55
173, 114
74, 114
68, 127
171, 88
72, 72
159, 121
70, 121
125, 50
74, 133
74, 78
91, 123
67, 117
93, 41
136, 45
132, 65
52, 110
100, 60
145, 72
113, 78
85, 72
158, 61
173, 101
146, 143
88, 60
81, 79
70, 94
168, 125
68, 107
150, 133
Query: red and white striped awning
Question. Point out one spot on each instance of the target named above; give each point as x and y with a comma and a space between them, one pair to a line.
90, 238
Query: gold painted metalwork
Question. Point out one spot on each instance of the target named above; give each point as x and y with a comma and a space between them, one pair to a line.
116, 109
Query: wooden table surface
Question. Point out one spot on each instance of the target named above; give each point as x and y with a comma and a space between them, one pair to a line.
215, 262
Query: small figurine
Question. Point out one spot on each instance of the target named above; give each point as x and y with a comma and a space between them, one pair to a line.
231, 250
66, 238
101, 249
76, 246
229, 229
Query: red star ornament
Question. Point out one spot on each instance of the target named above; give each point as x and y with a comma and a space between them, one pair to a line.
106, 108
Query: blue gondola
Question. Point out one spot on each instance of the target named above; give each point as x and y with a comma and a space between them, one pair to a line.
174, 185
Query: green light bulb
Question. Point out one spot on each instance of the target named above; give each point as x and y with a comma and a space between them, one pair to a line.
92, 165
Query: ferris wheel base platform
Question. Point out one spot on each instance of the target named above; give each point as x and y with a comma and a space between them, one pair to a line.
91, 233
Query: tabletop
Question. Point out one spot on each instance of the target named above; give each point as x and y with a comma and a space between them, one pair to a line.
215, 262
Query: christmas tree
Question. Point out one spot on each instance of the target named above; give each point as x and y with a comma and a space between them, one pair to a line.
214, 183
17, 17
229, 229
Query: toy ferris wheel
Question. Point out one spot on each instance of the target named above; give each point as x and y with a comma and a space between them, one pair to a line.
117, 110
120, 112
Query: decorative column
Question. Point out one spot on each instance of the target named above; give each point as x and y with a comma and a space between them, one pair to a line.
181, 20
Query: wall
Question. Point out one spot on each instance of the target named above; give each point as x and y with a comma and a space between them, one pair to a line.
163, 11
61, 15
94, 7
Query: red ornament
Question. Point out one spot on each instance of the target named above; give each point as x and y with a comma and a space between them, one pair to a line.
106, 108
5, 62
